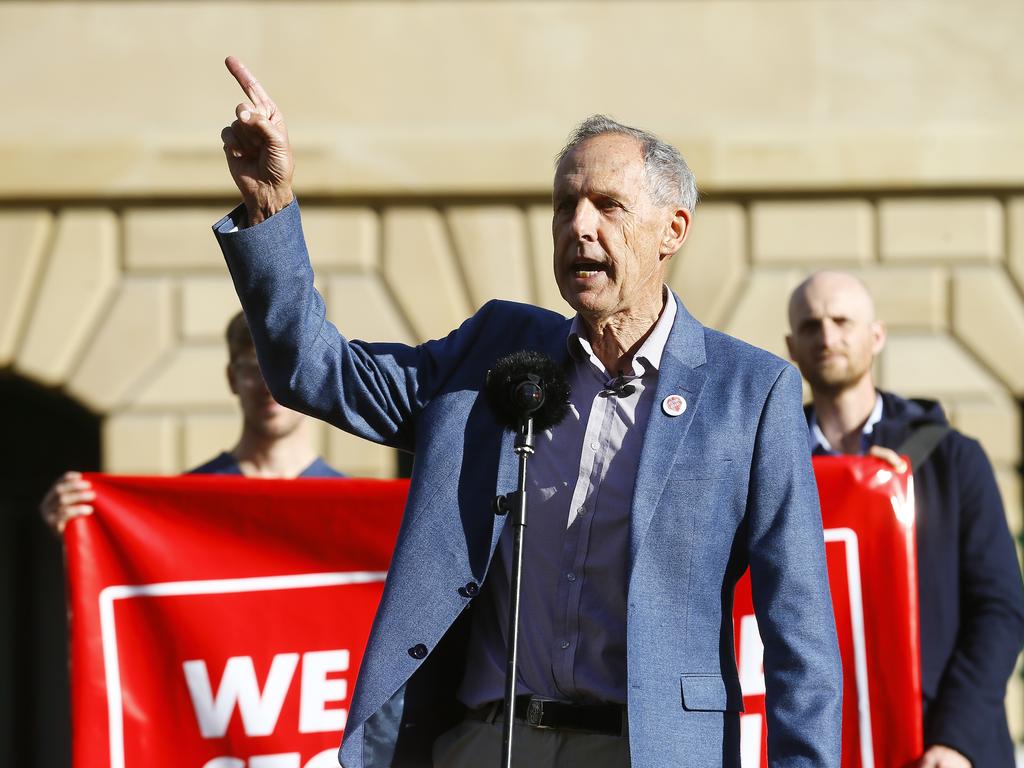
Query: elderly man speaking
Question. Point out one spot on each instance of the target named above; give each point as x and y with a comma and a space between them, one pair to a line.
683, 460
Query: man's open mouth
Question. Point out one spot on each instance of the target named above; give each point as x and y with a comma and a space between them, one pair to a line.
586, 269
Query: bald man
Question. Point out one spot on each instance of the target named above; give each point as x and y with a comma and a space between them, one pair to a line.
971, 599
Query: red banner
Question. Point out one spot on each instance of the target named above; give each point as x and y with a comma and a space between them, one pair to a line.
219, 622
868, 513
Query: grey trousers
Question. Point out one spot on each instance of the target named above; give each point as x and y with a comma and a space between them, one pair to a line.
477, 744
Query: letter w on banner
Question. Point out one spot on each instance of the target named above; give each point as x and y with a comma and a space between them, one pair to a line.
219, 622
868, 514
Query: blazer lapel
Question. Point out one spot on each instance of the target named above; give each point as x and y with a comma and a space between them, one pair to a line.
665, 436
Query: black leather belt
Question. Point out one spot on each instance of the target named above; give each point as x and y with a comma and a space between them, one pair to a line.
538, 712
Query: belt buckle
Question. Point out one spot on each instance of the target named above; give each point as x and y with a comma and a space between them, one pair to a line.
535, 714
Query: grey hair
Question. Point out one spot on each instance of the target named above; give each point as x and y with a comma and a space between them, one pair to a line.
669, 179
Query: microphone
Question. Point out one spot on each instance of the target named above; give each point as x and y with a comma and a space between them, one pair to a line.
528, 384
529, 393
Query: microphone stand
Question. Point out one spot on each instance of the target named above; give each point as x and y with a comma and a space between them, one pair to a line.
524, 449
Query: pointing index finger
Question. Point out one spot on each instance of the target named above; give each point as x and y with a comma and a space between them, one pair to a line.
249, 84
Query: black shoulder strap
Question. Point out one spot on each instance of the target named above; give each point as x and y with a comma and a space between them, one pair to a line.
922, 441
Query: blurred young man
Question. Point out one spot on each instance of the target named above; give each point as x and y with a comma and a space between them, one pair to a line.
274, 442
971, 602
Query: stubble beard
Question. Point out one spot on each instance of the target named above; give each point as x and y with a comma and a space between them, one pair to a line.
834, 380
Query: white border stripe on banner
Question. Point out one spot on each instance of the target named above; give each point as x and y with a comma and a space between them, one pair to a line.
848, 537
108, 630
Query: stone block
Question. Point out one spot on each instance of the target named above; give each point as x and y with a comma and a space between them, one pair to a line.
491, 245
988, 317
194, 377
207, 304
136, 332
206, 435
759, 316
708, 271
995, 422
23, 241
422, 271
79, 278
817, 232
1015, 250
172, 239
930, 229
360, 458
141, 444
545, 290
342, 238
909, 298
937, 367
362, 308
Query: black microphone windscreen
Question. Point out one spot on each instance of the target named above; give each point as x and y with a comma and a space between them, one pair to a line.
529, 367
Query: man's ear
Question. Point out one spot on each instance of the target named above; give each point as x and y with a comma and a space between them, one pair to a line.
878, 336
676, 233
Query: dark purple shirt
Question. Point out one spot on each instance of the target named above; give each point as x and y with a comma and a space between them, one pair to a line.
572, 639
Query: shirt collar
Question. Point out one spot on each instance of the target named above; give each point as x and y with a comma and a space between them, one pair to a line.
820, 443
648, 356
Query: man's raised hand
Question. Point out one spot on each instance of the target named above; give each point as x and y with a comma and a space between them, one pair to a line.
257, 149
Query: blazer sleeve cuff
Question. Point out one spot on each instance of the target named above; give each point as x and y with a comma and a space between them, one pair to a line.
275, 245
234, 227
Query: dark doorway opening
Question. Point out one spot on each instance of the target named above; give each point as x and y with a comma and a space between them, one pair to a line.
44, 434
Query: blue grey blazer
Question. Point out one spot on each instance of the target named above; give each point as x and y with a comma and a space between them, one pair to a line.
726, 485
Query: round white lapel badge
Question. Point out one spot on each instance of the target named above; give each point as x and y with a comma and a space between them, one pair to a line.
673, 405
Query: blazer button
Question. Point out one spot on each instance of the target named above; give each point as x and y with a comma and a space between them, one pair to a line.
472, 589
418, 651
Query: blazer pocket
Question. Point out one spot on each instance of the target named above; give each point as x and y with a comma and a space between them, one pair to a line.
709, 693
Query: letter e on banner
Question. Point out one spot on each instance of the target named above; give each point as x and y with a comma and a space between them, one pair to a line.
318, 690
